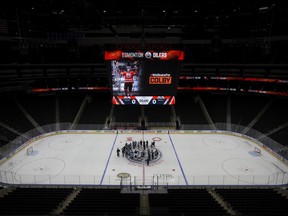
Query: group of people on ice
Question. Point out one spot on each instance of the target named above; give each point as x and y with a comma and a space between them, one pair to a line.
139, 151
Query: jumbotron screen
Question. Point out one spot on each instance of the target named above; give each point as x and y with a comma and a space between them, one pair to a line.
144, 77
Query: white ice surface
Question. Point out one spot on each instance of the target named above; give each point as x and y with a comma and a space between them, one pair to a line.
186, 159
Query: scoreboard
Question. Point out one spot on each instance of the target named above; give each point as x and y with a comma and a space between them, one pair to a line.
144, 77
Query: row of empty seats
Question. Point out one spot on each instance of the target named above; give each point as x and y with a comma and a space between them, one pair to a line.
256, 201
185, 202
32, 201
110, 201
103, 202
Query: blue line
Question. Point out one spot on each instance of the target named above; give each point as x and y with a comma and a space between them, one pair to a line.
178, 159
108, 159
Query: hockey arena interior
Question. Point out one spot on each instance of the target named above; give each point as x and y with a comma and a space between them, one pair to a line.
144, 108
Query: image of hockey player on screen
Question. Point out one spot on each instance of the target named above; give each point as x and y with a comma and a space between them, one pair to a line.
128, 75
125, 77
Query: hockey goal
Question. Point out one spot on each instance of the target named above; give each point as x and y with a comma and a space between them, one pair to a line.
29, 151
257, 151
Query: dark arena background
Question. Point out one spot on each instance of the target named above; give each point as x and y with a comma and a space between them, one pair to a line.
215, 68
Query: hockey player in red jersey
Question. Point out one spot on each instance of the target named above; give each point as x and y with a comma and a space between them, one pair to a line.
128, 79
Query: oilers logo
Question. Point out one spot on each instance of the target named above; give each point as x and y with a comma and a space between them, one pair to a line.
128, 75
148, 54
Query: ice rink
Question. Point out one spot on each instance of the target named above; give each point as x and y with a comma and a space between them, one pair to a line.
177, 158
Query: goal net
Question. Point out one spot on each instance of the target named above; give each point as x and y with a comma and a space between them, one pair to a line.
29, 151
257, 151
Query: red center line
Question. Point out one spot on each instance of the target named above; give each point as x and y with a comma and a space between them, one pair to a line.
143, 172
143, 162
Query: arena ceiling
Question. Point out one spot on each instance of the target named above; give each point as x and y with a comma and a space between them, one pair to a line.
172, 21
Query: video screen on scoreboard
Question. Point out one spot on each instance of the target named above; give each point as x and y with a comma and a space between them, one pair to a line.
145, 77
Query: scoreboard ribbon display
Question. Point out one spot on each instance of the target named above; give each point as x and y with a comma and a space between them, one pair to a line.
144, 77
143, 100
